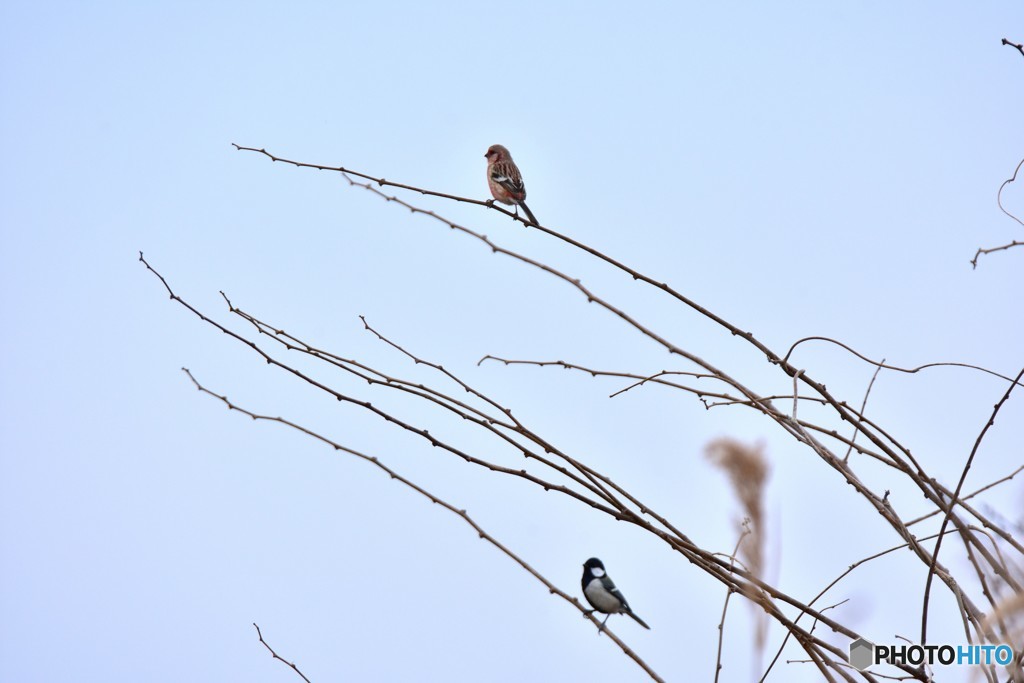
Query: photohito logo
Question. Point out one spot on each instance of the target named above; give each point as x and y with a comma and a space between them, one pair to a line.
864, 653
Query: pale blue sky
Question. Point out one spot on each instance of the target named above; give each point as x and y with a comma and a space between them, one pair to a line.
799, 168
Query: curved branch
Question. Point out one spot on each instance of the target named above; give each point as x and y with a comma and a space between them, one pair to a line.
912, 469
909, 371
423, 433
552, 588
928, 485
956, 496
999, 197
822, 653
999, 201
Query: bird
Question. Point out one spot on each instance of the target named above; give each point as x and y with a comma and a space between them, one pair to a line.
505, 181
602, 594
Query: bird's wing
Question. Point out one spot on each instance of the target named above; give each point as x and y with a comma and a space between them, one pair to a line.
508, 176
609, 586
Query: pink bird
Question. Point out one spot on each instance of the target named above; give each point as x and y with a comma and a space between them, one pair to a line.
505, 180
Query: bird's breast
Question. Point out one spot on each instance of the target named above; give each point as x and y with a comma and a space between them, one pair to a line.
600, 598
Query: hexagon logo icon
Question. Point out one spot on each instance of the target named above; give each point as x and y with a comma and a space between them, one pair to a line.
862, 654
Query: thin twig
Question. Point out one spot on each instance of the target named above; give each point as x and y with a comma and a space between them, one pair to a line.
590, 475
956, 496
1015, 243
277, 656
849, 570
999, 196
999, 201
725, 605
654, 378
882, 364
984, 488
863, 406
1016, 45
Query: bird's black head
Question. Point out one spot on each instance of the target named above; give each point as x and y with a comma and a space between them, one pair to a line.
592, 569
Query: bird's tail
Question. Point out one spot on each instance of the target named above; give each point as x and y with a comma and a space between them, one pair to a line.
639, 620
529, 213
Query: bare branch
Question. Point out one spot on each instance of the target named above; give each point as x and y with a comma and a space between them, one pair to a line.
822, 653
725, 606
913, 470
1015, 243
956, 495
892, 367
552, 588
423, 433
999, 198
849, 570
583, 484
999, 201
641, 379
863, 405
984, 488
277, 656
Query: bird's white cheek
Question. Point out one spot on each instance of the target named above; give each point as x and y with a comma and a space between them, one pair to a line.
597, 572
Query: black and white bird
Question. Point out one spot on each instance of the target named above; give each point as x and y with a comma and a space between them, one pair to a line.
602, 594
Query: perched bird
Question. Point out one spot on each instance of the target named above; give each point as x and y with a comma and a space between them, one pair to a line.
602, 594
505, 180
